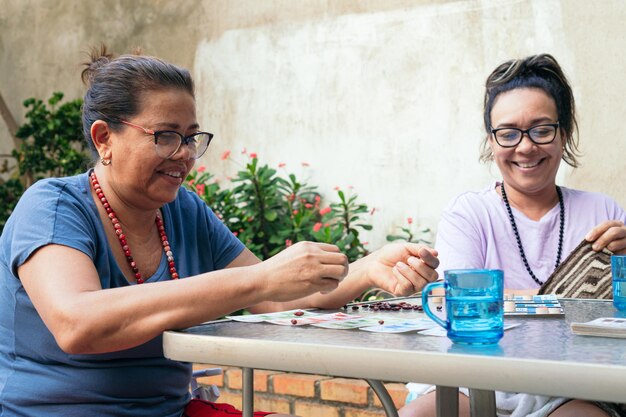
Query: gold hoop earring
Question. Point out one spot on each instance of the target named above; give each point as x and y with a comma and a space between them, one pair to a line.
105, 162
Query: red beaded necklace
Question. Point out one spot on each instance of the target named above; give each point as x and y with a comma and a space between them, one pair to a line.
122, 237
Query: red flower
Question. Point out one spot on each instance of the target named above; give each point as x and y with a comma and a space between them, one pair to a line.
288, 243
253, 155
337, 188
225, 155
409, 220
295, 212
201, 168
325, 210
200, 189
244, 151
281, 165
318, 198
317, 227
191, 181
235, 233
305, 164
308, 205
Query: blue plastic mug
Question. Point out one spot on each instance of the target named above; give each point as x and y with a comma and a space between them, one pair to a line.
474, 305
618, 271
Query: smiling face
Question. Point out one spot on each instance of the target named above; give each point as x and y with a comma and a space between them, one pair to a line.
137, 175
527, 168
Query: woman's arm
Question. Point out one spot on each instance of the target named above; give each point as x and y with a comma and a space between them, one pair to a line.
399, 268
64, 287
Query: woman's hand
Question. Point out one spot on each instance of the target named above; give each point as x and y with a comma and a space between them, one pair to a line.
303, 269
402, 268
610, 234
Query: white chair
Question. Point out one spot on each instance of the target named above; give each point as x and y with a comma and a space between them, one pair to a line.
204, 392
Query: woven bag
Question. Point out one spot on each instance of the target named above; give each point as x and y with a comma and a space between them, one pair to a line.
585, 273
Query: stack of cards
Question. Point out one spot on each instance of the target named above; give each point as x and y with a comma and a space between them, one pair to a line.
546, 305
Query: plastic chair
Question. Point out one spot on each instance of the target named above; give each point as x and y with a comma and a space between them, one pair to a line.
204, 392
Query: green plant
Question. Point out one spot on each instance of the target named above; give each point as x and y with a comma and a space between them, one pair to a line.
52, 145
269, 212
411, 233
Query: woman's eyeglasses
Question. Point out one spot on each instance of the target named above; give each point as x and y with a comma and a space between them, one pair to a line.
168, 142
509, 137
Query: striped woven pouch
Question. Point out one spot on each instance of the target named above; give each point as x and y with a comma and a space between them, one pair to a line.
585, 273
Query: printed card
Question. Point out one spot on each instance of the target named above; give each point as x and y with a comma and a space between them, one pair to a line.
402, 326
258, 318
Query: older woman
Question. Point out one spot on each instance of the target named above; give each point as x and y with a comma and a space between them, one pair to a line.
526, 224
93, 268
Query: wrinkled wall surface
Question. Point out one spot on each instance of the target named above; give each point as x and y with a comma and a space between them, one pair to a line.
383, 96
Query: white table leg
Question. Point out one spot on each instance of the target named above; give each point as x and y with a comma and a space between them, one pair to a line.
247, 392
447, 401
482, 403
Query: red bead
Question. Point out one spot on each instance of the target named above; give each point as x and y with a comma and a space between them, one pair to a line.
127, 253
171, 264
172, 270
118, 232
138, 275
133, 264
139, 281
174, 275
165, 242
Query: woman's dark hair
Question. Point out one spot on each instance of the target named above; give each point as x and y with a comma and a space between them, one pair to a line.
537, 71
115, 86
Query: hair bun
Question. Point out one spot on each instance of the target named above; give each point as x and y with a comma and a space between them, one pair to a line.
98, 57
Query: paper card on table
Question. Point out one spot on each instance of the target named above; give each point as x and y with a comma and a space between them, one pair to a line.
440, 331
258, 318
402, 326
312, 319
351, 322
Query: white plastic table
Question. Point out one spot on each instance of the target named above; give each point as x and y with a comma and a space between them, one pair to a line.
541, 356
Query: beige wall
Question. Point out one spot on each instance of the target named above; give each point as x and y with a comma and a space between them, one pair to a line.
384, 96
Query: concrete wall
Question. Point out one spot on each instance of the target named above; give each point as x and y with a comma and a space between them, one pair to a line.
383, 96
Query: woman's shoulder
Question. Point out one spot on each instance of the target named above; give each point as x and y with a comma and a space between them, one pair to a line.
589, 197
55, 188
474, 200
593, 202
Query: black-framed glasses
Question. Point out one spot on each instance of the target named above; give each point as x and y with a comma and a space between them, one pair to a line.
168, 142
509, 137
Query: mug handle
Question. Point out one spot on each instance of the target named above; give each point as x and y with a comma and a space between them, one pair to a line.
425, 291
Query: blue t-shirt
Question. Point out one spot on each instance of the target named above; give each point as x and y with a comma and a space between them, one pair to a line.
36, 377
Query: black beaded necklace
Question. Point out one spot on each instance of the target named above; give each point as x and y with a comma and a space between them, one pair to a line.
519, 241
